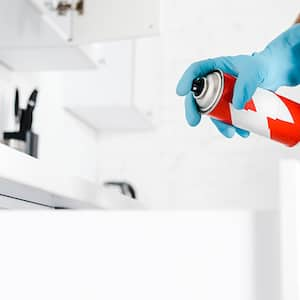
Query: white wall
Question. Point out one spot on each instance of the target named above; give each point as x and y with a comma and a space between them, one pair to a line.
179, 167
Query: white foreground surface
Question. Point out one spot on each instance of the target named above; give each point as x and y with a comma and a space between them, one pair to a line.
96, 255
290, 228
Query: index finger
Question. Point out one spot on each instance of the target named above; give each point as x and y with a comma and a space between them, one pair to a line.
202, 68
195, 70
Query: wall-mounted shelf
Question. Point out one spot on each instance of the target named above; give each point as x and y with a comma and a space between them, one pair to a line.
112, 118
45, 59
105, 98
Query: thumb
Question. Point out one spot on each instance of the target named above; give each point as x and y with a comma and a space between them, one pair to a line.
245, 87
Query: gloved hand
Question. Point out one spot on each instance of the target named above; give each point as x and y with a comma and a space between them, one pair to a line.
277, 65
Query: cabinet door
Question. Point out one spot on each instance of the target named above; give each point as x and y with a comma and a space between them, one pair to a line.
116, 19
36, 38
24, 24
62, 24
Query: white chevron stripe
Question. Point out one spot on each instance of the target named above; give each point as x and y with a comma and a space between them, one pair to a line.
270, 105
250, 120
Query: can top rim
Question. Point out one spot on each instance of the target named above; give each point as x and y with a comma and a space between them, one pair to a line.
212, 103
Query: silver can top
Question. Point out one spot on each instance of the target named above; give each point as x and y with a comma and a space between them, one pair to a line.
208, 90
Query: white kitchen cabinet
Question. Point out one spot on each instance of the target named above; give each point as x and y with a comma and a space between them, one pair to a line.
34, 37
45, 59
62, 24
107, 98
101, 20
24, 25
116, 19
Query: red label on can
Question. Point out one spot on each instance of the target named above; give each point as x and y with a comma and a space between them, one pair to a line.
267, 113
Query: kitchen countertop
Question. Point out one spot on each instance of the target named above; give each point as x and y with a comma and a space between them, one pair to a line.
33, 181
26, 182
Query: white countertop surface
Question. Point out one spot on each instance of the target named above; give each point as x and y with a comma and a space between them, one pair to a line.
25, 181
30, 180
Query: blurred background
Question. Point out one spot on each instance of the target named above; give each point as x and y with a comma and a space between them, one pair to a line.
107, 110
106, 121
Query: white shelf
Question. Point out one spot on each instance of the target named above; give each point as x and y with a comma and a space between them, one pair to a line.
36, 38
45, 59
105, 98
111, 118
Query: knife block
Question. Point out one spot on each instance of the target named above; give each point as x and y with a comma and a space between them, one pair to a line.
26, 142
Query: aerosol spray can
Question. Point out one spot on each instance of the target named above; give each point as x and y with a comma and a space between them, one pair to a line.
267, 113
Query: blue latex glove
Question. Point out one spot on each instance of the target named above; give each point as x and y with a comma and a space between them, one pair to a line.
277, 65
